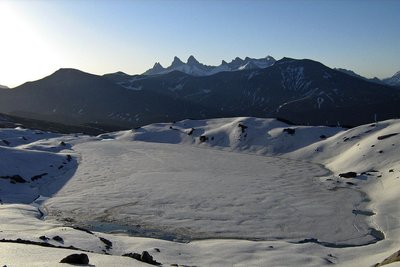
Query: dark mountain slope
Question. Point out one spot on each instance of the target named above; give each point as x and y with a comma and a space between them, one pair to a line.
73, 97
302, 91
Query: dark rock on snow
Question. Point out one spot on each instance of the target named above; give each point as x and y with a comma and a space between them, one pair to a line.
107, 242
76, 259
379, 235
386, 136
36, 177
203, 138
145, 257
58, 239
14, 179
83, 230
191, 131
289, 131
6, 142
348, 175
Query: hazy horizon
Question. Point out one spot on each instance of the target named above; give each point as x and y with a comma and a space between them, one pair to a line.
130, 36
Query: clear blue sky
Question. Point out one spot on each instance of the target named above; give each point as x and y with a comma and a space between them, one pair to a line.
38, 37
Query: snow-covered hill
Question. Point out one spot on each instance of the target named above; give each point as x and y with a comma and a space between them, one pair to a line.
284, 195
195, 68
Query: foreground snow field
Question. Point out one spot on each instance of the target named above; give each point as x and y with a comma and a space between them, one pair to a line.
274, 190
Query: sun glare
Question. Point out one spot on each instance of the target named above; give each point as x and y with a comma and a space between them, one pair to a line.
23, 51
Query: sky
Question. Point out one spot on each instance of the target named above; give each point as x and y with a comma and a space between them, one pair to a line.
105, 36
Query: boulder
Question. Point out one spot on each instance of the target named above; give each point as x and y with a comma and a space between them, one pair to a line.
76, 259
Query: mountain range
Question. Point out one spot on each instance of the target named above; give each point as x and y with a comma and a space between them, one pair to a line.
301, 91
195, 68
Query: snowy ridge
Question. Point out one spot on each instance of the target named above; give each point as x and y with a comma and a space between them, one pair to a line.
394, 80
275, 175
195, 68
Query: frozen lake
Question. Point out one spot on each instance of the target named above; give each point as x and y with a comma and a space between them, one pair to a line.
165, 190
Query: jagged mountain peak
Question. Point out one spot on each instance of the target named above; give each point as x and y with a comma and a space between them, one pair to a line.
192, 61
237, 59
176, 62
157, 64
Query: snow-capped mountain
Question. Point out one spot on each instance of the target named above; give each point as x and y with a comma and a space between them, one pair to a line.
394, 80
195, 68
3, 87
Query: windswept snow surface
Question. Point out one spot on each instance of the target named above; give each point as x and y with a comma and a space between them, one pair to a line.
261, 192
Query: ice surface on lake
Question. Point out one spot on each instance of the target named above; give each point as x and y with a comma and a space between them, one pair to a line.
203, 193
